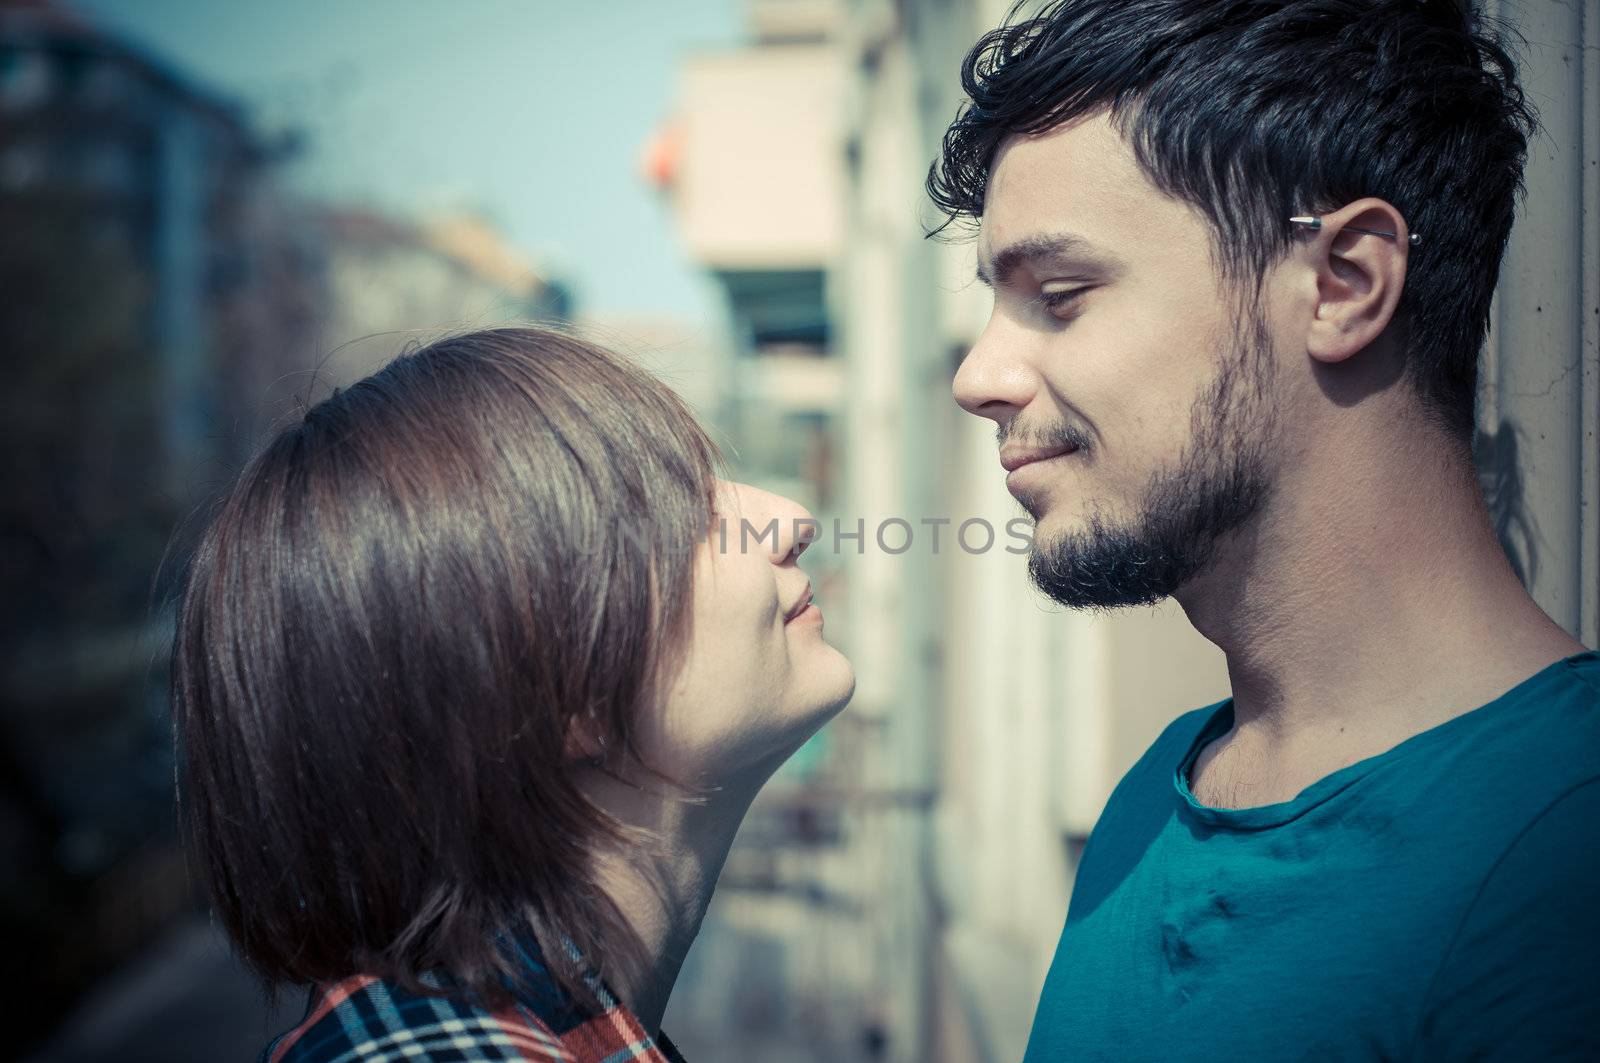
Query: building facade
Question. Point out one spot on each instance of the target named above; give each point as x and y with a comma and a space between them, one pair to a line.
164, 302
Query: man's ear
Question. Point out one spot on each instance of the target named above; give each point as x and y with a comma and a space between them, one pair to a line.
1359, 277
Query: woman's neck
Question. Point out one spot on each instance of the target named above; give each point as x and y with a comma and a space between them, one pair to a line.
663, 889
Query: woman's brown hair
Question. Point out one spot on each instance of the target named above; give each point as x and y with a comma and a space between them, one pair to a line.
391, 629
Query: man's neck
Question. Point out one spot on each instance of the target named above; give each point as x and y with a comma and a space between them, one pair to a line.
1357, 613
663, 889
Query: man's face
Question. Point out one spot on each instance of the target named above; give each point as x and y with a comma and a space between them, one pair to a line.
1134, 406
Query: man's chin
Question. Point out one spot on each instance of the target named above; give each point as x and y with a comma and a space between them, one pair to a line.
1056, 523
1089, 564
1050, 532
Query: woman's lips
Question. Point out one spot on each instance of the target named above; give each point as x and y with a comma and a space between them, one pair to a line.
800, 606
807, 615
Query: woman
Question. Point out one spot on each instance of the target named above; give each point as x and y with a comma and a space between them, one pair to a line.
477, 670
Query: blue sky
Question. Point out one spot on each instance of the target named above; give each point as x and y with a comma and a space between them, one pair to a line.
531, 112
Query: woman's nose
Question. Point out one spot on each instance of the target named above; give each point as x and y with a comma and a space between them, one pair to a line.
799, 531
781, 525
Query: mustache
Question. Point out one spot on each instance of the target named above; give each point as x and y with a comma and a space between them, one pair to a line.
1051, 436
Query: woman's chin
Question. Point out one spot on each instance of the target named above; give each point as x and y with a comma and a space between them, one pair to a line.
828, 690
846, 691
830, 683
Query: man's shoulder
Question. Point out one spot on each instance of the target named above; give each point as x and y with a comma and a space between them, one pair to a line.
1162, 757
1581, 676
1139, 805
1181, 732
1150, 779
1538, 740
1550, 743
1577, 681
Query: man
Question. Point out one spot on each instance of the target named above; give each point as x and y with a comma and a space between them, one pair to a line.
1242, 255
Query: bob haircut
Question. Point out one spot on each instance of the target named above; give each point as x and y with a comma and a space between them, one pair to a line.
389, 633
1252, 111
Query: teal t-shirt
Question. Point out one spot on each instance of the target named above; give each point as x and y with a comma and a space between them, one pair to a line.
1439, 901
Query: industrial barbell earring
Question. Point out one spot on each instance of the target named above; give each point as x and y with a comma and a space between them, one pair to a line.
1314, 223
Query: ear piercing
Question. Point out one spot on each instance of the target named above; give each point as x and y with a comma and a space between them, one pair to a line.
1314, 223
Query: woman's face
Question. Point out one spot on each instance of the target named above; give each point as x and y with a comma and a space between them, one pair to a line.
757, 679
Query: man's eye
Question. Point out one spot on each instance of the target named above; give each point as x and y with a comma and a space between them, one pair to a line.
1060, 302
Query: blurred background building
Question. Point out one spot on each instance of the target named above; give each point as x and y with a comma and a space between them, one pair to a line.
140, 300
169, 291
164, 298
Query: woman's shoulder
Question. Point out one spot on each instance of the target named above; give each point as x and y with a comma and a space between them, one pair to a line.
364, 1018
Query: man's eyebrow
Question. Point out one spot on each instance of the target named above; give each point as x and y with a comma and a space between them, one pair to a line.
1035, 248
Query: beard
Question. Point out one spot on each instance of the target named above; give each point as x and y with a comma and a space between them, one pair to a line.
1217, 485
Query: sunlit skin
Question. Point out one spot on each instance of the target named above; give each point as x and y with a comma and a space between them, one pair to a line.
1367, 598
1106, 323
756, 680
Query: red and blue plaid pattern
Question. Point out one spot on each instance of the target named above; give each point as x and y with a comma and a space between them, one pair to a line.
366, 1019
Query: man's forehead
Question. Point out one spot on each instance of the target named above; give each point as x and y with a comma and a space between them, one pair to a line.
1045, 204
1087, 150
1073, 191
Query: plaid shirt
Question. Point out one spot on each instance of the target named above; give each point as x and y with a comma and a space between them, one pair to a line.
362, 1018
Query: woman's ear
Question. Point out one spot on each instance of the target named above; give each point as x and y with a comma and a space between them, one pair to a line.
586, 741
1359, 277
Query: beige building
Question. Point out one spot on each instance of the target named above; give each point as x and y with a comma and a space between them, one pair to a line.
388, 282
989, 727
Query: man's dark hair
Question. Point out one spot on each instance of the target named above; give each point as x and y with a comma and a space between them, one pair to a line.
1255, 110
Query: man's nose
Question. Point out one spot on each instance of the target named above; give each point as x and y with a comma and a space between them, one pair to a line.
994, 379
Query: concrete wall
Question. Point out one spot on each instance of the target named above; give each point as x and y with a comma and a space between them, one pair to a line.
1540, 381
